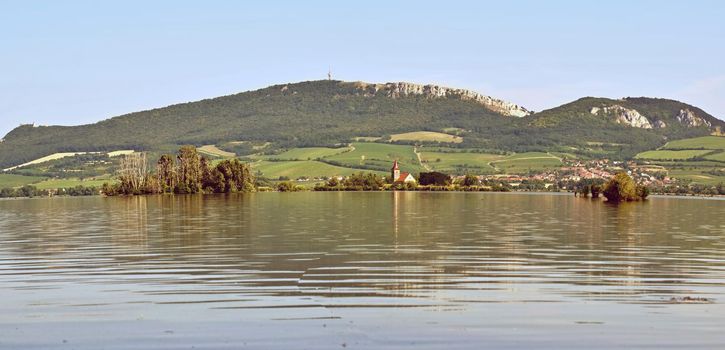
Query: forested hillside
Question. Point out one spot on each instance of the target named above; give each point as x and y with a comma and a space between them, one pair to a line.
326, 113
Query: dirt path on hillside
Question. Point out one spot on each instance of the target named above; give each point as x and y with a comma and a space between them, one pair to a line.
420, 160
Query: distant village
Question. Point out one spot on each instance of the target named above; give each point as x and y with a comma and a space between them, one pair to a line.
565, 178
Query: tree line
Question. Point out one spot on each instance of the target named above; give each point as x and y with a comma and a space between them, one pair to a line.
187, 172
30, 191
620, 188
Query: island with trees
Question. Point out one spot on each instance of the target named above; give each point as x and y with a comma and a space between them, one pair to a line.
186, 173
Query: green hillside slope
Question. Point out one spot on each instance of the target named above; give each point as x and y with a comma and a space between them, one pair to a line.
332, 113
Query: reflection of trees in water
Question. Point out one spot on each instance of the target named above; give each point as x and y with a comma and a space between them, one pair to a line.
374, 244
129, 224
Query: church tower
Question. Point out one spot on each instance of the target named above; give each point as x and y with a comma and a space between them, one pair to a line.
395, 171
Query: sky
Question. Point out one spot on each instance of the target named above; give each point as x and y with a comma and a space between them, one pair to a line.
76, 62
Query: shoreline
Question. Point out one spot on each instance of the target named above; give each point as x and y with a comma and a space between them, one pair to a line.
538, 193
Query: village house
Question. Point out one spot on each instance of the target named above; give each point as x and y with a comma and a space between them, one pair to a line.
400, 178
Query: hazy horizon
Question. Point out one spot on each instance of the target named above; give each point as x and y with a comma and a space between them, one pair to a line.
81, 62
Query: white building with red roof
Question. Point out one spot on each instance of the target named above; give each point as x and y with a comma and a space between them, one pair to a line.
400, 178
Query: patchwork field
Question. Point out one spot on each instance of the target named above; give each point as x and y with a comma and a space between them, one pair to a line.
307, 153
697, 176
678, 158
460, 162
674, 155
378, 156
296, 169
426, 136
705, 142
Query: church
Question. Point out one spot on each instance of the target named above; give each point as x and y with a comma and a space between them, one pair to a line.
400, 178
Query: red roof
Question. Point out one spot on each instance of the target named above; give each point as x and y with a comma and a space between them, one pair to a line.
402, 177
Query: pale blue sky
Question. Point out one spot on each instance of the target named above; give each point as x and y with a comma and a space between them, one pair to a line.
74, 62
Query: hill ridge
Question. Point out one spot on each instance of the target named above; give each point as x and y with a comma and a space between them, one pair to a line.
331, 112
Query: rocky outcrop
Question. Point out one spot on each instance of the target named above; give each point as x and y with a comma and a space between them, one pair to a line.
689, 119
659, 124
401, 89
623, 116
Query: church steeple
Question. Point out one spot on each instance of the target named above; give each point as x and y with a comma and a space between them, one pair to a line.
395, 171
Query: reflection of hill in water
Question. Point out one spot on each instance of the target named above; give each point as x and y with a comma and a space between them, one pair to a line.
450, 247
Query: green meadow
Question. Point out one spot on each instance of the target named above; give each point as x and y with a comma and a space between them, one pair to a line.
303, 168
720, 157
306, 153
705, 142
12, 181
378, 156
697, 176
698, 159
426, 136
522, 163
53, 184
460, 162
674, 155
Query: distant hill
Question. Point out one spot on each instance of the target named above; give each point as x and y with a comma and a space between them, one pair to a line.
646, 113
326, 113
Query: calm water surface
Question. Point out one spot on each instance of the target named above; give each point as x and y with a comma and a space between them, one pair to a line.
361, 270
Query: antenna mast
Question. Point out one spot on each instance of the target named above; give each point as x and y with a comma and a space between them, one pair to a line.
329, 73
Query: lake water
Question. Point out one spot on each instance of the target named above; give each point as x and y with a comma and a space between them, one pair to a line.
361, 270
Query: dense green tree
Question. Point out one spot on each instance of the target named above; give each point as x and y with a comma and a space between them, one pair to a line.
189, 170
622, 188
586, 186
287, 186
232, 176
363, 182
166, 172
434, 178
470, 180
190, 174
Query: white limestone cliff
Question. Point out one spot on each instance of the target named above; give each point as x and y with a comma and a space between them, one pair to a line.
402, 89
623, 115
689, 119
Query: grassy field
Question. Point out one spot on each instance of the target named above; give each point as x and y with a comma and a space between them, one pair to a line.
720, 157
66, 183
215, 151
379, 156
705, 142
12, 181
56, 156
426, 136
667, 154
296, 169
697, 176
307, 153
53, 156
460, 162
525, 162
676, 157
